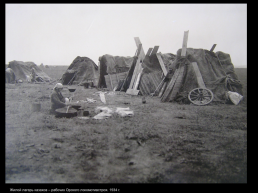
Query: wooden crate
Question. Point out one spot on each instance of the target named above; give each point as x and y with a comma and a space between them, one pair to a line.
113, 79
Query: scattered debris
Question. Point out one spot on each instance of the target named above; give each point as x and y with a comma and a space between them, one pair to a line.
103, 109
122, 109
30, 145
111, 93
22, 150
105, 112
83, 118
234, 97
42, 151
102, 115
123, 112
102, 97
180, 117
143, 100
90, 100
131, 163
57, 145
140, 142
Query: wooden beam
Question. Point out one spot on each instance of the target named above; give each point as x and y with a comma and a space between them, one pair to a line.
138, 42
162, 89
178, 83
213, 47
184, 46
149, 51
170, 86
162, 64
137, 69
137, 80
198, 75
110, 81
155, 50
102, 97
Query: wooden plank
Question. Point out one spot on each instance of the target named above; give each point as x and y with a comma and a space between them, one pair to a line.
155, 50
132, 92
135, 73
162, 89
170, 86
144, 85
149, 51
178, 83
213, 47
138, 66
162, 64
137, 80
198, 75
102, 97
111, 82
184, 46
107, 82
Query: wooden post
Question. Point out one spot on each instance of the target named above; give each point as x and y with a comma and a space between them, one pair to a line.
102, 97
198, 75
137, 70
162, 64
154, 51
213, 47
170, 86
183, 53
110, 81
149, 51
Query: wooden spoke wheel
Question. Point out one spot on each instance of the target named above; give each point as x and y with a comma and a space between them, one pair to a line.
200, 96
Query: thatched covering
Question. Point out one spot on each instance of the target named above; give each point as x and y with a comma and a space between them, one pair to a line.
23, 69
81, 71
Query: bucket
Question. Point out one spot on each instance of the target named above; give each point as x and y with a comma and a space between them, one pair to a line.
35, 107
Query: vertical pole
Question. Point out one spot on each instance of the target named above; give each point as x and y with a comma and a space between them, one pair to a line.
184, 46
213, 47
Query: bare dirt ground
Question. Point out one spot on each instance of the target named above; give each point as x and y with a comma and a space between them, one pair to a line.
161, 143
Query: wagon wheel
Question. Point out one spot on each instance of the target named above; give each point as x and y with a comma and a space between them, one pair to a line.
200, 96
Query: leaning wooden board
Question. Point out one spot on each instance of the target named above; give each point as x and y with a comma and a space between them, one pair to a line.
184, 46
178, 83
162, 64
132, 89
198, 75
170, 86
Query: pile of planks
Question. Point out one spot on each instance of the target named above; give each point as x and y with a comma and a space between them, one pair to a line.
171, 88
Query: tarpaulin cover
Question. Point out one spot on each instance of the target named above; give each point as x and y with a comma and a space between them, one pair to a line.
81, 71
23, 69
218, 75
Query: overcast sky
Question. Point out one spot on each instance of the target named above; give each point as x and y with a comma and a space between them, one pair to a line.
55, 34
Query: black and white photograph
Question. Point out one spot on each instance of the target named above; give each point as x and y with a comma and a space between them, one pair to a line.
125, 94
